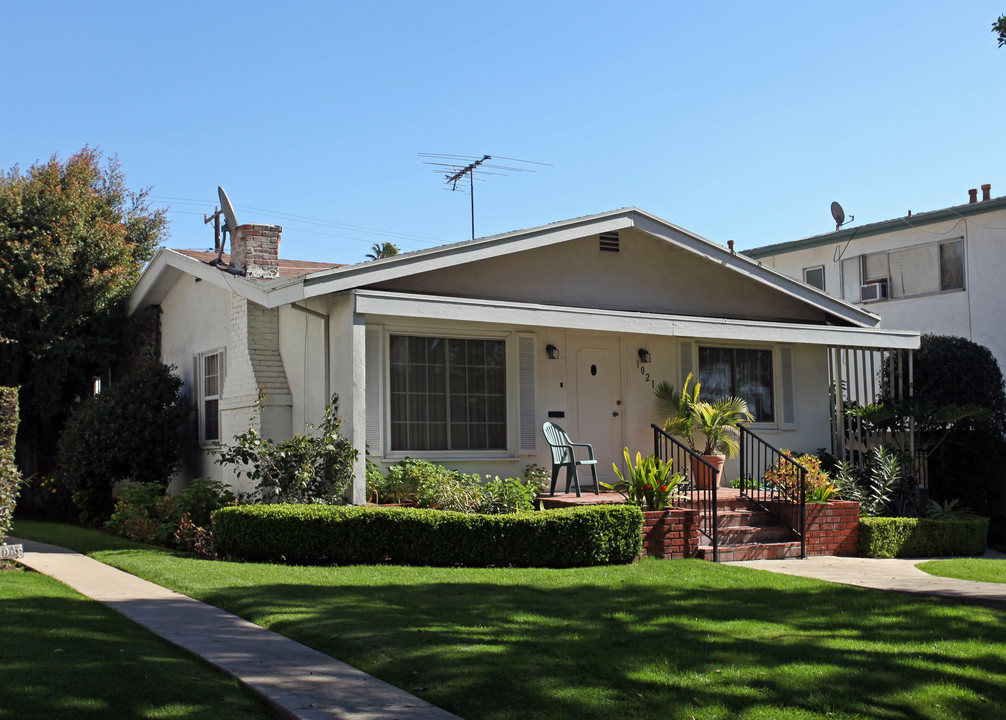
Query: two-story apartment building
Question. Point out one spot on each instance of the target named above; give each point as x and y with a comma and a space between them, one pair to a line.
935, 272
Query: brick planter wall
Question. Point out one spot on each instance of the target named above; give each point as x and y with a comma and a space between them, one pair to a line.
671, 533
832, 528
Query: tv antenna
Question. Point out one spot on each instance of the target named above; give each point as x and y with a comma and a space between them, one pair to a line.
230, 223
455, 167
839, 214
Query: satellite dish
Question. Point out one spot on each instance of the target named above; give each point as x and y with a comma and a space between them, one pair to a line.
836, 212
228, 210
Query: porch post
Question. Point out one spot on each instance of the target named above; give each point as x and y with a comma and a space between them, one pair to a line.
348, 374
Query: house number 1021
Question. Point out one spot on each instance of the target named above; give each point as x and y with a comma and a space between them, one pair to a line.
646, 375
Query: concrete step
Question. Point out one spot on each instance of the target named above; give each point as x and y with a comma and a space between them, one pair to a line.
752, 551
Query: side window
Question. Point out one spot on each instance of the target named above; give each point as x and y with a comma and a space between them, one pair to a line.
814, 276
210, 371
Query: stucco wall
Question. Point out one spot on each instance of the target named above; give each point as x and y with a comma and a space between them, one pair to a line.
646, 275
555, 393
195, 319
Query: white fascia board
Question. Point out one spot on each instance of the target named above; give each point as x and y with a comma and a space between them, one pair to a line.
378, 271
755, 270
167, 265
429, 307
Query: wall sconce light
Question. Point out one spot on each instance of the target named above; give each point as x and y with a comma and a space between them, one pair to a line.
552, 351
644, 355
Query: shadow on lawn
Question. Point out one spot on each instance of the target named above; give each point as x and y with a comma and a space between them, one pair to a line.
63, 656
655, 640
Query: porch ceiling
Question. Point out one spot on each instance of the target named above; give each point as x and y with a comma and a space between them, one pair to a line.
431, 307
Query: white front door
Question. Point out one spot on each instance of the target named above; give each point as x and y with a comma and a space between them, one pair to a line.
595, 369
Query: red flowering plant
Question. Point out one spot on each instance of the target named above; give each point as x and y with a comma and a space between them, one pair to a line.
650, 483
784, 477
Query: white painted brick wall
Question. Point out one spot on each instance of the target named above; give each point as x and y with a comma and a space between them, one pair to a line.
254, 363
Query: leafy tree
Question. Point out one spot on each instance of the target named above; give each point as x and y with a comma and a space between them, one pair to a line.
999, 28
382, 250
967, 464
73, 240
133, 430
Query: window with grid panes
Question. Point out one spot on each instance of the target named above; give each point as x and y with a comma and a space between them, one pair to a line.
447, 394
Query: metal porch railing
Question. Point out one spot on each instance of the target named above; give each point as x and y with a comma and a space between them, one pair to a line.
774, 482
701, 479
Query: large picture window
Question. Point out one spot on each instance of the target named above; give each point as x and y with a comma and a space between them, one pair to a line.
746, 373
447, 393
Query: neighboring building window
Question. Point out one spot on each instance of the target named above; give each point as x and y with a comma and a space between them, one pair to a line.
814, 276
210, 368
905, 272
447, 393
742, 372
952, 265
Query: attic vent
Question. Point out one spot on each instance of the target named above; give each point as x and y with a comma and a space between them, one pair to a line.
609, 242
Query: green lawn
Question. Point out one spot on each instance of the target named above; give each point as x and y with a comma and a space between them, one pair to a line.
65, 656
654, 640
980, 569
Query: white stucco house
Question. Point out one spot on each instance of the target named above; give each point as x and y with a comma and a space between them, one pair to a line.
935, 272
459, 353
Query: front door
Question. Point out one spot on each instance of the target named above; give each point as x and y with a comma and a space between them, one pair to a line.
596, 371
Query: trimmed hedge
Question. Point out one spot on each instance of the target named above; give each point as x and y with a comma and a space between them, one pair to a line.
325, 534
922, 537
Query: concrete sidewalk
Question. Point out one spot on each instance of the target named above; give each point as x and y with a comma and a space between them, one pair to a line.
886, 574
297, 681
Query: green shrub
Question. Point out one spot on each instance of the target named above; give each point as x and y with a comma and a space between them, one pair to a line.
315, 468
922, 537
143, 512
571, 537
133, 430
140, 514
509, 495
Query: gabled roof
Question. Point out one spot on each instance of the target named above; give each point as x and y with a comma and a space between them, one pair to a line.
161, 272
879, 228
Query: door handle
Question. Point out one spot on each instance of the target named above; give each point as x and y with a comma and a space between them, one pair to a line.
614, 413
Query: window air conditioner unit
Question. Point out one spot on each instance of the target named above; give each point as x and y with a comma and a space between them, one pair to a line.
872, 292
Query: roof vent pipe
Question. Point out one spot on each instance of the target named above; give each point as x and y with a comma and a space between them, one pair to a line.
986, 192
973, 195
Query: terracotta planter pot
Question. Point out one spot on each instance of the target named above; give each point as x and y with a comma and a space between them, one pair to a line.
702, 476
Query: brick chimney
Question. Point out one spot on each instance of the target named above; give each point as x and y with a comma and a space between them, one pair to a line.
986, 192
972, 195
255, 251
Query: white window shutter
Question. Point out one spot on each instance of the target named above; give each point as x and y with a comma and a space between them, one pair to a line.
375, 369
686, 366
525, 359
788, 389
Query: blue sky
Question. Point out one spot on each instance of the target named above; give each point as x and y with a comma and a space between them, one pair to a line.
738, 121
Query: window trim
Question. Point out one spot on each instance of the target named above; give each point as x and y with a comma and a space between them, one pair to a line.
776, 423
510, 403
200, 385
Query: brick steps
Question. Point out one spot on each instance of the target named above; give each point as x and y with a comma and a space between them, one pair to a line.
751, 551
746, 532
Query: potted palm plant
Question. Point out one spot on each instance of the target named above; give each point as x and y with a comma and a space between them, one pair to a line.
717, 422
